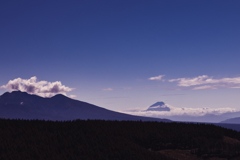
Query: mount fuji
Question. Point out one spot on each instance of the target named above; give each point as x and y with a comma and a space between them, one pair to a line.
159, 106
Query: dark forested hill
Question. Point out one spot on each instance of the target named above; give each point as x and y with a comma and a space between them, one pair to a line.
22, 105
113, 140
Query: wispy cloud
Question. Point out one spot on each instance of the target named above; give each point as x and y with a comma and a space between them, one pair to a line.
107, 89
206, 82
41, 88
186, 82
157, 78
205, 87
204, 79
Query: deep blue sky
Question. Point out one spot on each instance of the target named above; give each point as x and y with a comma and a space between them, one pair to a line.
91, 45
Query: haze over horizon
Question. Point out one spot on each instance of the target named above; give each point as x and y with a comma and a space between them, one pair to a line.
123, 55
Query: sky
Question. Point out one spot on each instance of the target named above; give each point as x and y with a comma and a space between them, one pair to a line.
125, 54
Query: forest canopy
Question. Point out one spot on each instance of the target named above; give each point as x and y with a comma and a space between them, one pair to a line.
99, 139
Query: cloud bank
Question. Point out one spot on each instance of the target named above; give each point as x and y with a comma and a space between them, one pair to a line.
40, 88
174, 111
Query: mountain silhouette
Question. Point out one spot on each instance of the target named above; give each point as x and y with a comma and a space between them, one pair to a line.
235, 120
159, 106
21, 105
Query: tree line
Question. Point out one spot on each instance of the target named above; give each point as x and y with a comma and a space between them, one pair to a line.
100, 139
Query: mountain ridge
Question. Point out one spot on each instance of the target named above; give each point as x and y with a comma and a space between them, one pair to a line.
235, 120
22, 105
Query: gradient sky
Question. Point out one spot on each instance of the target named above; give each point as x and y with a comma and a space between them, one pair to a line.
107, 50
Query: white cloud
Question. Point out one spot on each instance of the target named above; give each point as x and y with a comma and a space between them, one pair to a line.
158, 78
174, 111
204, 79
186, 82
106, 89
205, 87
41, 88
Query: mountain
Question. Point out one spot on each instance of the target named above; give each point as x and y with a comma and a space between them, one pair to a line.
22, 105
159, 106
232, 120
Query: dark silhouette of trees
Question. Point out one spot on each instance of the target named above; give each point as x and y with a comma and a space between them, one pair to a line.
99, 139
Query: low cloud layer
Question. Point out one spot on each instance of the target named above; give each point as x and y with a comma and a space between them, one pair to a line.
41, 88
174, 111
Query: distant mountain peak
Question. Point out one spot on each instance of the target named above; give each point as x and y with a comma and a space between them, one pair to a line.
159, 106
